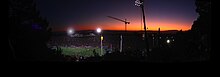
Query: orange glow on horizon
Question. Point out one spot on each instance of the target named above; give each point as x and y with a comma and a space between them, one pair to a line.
132, 27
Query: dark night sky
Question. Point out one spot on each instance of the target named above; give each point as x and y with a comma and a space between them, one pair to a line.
90, 14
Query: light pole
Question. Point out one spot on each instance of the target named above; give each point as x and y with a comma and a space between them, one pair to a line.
140, 3
99, 30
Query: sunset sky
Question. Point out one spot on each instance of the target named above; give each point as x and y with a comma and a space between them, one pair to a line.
91, 14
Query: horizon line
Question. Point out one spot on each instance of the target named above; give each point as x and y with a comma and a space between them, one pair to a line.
126, 30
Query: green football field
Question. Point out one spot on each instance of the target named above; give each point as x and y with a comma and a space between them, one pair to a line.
86, 52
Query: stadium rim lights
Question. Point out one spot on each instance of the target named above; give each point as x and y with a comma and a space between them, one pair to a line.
70, 31
99, 30
138, 3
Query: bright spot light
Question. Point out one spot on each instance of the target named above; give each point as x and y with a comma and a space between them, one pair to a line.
168, 41
98, 30
138, 3
70, 31
102, 37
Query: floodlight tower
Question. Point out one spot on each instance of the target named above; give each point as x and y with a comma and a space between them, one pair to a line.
99, 31
140, 3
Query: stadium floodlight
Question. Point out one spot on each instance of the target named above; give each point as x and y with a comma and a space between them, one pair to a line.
70, 31
99, 30
138, 3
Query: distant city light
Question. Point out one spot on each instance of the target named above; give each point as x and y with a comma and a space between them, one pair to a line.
168, 41
98, 30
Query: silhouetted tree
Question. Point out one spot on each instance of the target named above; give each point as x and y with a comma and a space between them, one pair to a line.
28, 32
201, 28
203, 23
195, 43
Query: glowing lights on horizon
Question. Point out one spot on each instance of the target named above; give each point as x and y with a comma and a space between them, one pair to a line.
132, 27
70, 31
99, 30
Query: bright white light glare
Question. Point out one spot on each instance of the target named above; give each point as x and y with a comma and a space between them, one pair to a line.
70, 31
138, 3
168, 41
98, 30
